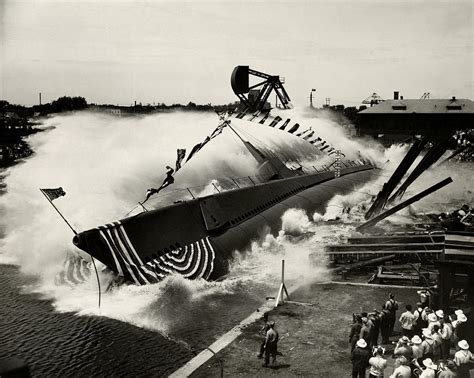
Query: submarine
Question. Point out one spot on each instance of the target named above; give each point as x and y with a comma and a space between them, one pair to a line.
197, 238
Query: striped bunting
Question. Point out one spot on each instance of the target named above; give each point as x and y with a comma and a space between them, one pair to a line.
294, 127
263, 117
275, 121
76, 270
193, 261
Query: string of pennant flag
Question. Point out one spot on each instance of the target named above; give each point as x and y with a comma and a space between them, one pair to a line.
259, 117
263, 118
181, 152
307, 134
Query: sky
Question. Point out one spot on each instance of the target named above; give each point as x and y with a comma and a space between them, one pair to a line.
118, 52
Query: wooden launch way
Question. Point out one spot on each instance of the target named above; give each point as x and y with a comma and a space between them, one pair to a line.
411, 247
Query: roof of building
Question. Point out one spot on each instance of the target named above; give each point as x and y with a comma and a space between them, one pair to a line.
453, 105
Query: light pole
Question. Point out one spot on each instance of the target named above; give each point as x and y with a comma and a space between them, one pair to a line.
311, 98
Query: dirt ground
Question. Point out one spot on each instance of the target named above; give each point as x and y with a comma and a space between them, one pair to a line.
313, 338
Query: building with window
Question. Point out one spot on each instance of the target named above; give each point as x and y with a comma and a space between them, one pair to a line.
399, 119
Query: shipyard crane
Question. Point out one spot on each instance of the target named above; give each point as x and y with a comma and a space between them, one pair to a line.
255, 97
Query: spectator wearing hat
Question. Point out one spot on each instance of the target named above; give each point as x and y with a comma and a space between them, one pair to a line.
460, 327
449, 371
360, 359
463, 359
430, 369
446, 334
392, 306
417, 348
402, 368
427, 344
432, 321
457, 313
460, 317
271, 342
407, 320
377, 363
425, 313
355, 331
403, 349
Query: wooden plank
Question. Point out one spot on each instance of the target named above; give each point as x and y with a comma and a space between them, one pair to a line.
192, 365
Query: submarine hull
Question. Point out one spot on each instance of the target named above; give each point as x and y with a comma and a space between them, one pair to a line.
197, 238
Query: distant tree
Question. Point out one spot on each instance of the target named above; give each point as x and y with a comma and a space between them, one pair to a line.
66, 103
3, 104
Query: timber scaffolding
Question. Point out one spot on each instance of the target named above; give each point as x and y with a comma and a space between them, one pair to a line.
426, 246
449, 253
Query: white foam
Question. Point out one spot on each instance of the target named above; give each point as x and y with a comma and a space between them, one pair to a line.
105, 164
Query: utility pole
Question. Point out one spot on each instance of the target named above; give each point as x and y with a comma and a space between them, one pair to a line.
311, 98
40, 98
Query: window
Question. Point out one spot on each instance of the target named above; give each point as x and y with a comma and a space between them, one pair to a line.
454, 107
399, 107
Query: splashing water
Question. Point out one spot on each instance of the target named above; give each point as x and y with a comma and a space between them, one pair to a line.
105, 164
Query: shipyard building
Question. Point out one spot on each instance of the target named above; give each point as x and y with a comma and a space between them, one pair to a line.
400, 119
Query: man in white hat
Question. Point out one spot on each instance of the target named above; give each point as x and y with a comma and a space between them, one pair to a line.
427, 344
463, 357
446, 334
440, 314
402, 369
430, 371
432, 320
360, 359
403, 349
460, 327
457, 313
416, 348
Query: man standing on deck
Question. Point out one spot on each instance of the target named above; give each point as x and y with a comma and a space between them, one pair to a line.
392, 307
271, 342
167, 181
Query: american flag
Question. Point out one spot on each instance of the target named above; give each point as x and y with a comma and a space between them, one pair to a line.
52, 194
181, 153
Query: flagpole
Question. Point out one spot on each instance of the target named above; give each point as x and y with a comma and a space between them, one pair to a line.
52, 204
